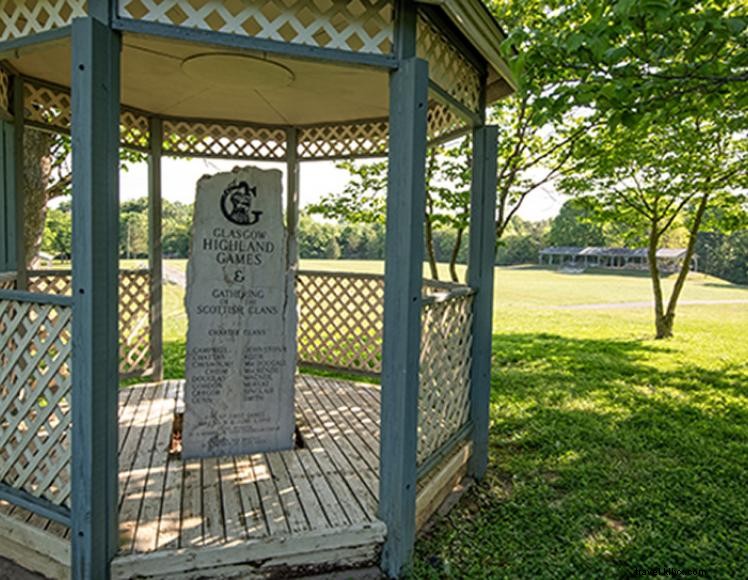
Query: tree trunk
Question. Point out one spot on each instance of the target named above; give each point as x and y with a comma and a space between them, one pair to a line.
37, 168
663, 327
429, 231
455, 253
429, 225
669, 318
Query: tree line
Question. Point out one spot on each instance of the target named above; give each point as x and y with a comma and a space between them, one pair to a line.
724, 255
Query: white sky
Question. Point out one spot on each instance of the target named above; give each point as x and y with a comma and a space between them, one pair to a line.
317, 178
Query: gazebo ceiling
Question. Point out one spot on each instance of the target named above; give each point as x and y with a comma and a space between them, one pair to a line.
181, 79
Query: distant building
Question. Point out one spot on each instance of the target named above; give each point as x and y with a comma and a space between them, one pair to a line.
668, 259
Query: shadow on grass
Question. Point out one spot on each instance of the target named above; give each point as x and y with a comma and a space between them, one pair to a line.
601, 464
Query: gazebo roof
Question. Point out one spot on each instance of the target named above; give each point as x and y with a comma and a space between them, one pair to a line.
271, 62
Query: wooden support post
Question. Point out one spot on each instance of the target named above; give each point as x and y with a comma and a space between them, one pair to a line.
155, 248
19, 203
480, 277
95, 140
292, 196
403, 280
7, 198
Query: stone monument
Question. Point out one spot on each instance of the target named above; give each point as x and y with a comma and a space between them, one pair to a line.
241, 308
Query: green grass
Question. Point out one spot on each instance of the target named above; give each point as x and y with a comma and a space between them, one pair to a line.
609, 451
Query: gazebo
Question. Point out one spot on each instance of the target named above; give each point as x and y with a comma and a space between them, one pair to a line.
88, 488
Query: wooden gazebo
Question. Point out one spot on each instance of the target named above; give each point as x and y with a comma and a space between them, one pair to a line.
87, 487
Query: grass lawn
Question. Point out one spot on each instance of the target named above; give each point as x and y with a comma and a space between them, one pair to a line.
610, 451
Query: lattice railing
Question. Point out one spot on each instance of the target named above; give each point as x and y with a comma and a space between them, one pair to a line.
134, 313
340, 320
223, 140
134, 322
19, 18
359, 26
35, 385
448, 68
7, 280
444, 385
4, 90
359, 139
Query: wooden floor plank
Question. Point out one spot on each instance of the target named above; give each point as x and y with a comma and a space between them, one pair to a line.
133, 492
352, 446
334, 511
319, 434
330, 428
233, 512
191, 525
254, 517
169, 519
213, 530
352, 427
146, 534
128, 413
271, 502
286, 489
308, 497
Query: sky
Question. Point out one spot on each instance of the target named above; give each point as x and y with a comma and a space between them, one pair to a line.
316, 179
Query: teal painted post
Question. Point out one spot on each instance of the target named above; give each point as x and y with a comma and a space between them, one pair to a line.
155, 248
403, 281
480, 277
7, 207
19, 202
95, 141
292, 196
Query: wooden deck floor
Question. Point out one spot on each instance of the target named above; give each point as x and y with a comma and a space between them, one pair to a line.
328, 487
167, 503
306, 509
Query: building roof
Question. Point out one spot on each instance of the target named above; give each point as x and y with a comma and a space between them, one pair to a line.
579, 251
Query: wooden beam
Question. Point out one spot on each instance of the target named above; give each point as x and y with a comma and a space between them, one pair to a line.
480, 277
7, 207
19, 202
33, 548
406, 194
155, 248
95, 143
292, 196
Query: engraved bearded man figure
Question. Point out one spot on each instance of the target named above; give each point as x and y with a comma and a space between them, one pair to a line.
236, 204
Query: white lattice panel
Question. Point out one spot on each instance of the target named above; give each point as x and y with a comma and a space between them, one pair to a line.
448, 68
203, 139
35, 385
340, 320
50, 107
4, 90
134, 323
442, 121
444, 386
135, 130
7, 281
59, 283
19, 18
362, 139
357, 25
134, 313
47, 106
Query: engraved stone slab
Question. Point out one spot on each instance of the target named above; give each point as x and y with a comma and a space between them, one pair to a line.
241, 308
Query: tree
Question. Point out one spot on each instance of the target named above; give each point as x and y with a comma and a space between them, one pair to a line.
58, 233
651, 179
574, 226
536, 140
47, 175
